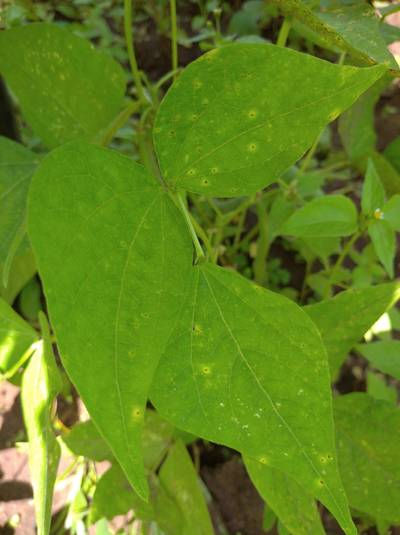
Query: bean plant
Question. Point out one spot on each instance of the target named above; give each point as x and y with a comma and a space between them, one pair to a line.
170, 313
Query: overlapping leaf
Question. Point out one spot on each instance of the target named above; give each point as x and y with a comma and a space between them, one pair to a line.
16, 168
114, 256
66, 88
246, 368
353, 28
40, 385
239, 116
345, 318
295, 508
368, 434
16, 339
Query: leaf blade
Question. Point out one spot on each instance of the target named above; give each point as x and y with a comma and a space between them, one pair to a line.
244, 141
116, 290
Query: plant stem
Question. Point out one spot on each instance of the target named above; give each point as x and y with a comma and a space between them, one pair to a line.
118, 122
284, 33
131, 50
339, 262
174, 38
186, 214
306, 162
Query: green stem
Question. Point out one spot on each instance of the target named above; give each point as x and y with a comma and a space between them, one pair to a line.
174, 38
186, 215
306, 162
284, 33
263, 245
130, 49
118, 122
346, 249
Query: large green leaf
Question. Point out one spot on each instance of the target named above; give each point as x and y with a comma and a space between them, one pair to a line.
40, 384
368, 435
180, 481
295, 509
351, 28
114, 256
328, 216
344, 319
66, 88
383, 355
239, 116
16, 339
224, 376
16, 168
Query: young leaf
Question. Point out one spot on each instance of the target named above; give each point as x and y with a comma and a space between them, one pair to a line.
373, 193
387, 173
241, 115
17, 166
368, 434
114, 256
385, 356
377, 388
224, 376
391, 212
352, 28
66, 89
392, 153
356, 125
384, 240
295, 508
16, 339
345, 318
40, 384
179, 479
329, 216
114, 496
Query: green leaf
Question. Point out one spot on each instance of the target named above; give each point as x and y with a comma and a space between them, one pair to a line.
387, 173
22, 269
16, 339
328, 216
356, 125
223, 376
66, 89
384, 240
294, 508
114, 496
384, 356
373, 193
16, 169
235, 120
392, 153
40, 384
180, 481
344, 319
352, 28
379, 389
84, 440
391, 212
368, 434
114, 275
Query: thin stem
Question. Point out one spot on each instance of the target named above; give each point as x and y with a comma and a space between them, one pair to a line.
284, 33
118, 122
174, 37
131, 50
306, 162
186, 214
346, 250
